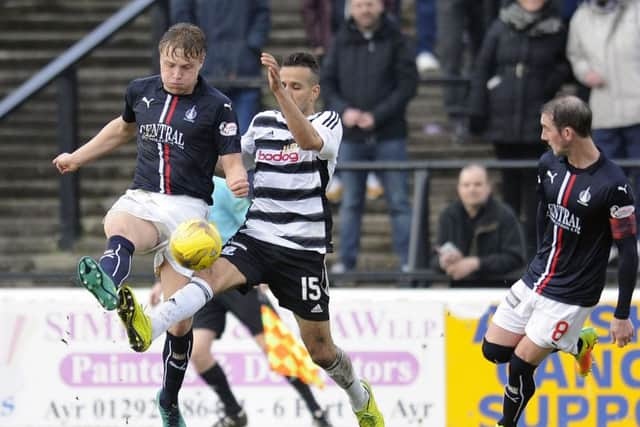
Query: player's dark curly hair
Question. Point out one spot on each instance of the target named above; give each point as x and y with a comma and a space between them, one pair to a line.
303, 59
570, 111
187, 37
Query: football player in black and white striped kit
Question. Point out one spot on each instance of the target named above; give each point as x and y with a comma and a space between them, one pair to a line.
287, 232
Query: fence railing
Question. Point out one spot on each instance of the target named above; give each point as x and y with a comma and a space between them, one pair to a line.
63, 69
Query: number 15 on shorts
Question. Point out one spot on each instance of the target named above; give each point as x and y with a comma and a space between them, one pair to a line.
310, 288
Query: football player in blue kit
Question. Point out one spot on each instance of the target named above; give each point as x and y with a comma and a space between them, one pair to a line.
586, 204
182, 127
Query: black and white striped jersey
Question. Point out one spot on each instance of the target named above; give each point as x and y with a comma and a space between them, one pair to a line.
289, 207
179, 136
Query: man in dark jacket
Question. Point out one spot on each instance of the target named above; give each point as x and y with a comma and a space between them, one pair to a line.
479, 238
236, 32
368, 77
522, 65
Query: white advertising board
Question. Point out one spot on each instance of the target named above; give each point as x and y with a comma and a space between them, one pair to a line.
65, 362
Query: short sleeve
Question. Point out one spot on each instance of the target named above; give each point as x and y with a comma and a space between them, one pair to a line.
128, 115
249, 148
329, 127
227, 135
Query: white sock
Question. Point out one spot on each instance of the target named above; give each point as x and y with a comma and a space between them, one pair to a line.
182, 305
341, 371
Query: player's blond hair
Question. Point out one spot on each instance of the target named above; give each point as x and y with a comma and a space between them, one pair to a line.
187, 37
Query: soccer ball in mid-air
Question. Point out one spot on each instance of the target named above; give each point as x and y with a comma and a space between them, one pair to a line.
195, 244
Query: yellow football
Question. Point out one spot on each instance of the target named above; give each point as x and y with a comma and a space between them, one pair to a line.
195, 244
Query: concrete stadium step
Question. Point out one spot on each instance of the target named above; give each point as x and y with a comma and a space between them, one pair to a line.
65, 263
21, 189
48, 207
19, 226
103, 169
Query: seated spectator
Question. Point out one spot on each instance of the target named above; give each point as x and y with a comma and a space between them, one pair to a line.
479, 237
608, 62
521, 65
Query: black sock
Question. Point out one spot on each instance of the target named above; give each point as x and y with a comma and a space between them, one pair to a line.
305, 392
175, 356
116, 260
217, 380
517, 393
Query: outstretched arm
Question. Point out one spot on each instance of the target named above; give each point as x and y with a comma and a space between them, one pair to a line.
303, 133
112, 135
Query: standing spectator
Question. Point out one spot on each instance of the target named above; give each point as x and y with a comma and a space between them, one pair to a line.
604, 42
460, 22
426, 30
318, 24
521, 65
236, 32
368, 77
478, 236
323, 19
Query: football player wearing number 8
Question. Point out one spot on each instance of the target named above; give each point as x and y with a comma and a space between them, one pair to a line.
287, 231
586, 204
182, 126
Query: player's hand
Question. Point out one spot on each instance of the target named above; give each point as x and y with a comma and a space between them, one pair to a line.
273, 72
65, 163
156, 294
350, 117
239, 187
621, 331
594, 79
366, 121
462, 268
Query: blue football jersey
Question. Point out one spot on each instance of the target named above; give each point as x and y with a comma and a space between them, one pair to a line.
179, 137
582, 207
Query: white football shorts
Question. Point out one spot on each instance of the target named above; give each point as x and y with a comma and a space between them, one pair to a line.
548, 323
166, 212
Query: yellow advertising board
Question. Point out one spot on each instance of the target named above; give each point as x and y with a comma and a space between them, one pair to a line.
608, 397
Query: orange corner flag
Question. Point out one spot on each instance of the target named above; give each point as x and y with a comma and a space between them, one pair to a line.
285, 354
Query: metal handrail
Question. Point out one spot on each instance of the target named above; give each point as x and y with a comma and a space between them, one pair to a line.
63, 70
73, 55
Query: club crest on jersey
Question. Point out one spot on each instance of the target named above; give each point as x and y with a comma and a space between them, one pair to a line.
191, 114
584, 197
228, 129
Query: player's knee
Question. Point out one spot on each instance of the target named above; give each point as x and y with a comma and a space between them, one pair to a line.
496, 353
181, 328
322, 354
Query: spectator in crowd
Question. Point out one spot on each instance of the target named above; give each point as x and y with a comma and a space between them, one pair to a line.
236, 32
522, 65
478, 236
322, 19
603, 48
370, 52
426, 36
460, 22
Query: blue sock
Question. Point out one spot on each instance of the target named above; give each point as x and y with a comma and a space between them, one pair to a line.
175, 355
116, 260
